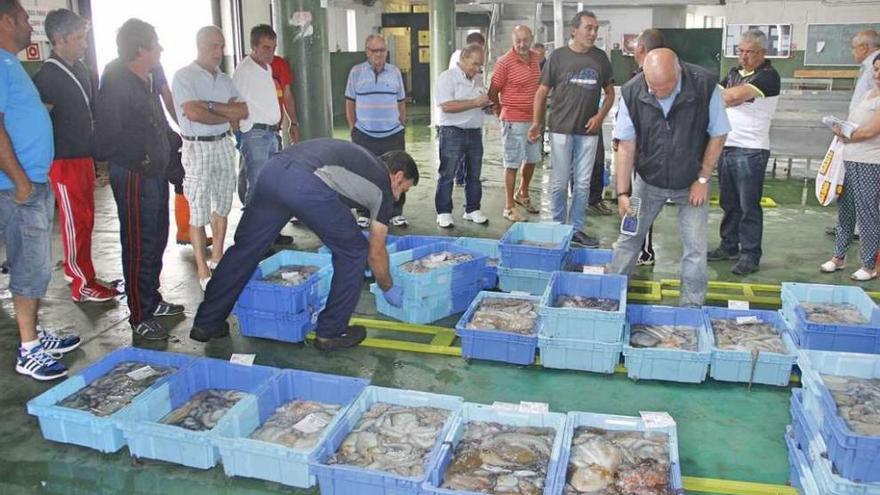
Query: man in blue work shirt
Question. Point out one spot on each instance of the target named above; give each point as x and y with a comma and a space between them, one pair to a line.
26, 199
671, 125
318, 181
375, 109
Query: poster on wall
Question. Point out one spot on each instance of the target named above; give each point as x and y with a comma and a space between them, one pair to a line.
629, 44
778, 39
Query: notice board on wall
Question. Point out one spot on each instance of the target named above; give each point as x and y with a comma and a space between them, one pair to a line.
778, 39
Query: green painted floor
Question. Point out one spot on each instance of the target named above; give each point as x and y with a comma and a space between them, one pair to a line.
725, 431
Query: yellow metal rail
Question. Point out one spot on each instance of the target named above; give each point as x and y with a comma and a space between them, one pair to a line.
764, 294
765, 202
709, 485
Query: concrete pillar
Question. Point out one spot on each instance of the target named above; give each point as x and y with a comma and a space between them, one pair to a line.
302, 39
559, 38
539, 23
442, 26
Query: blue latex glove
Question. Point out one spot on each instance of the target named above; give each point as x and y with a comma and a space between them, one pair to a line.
394, 296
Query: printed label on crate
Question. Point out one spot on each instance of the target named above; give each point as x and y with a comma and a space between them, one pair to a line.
519, 293
311, 424
740, 305
243, 359
594, 269
141, 373
533, 407
656, 419
747, 320
505, 406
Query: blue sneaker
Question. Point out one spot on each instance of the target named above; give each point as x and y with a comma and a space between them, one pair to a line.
38, 364
56, 345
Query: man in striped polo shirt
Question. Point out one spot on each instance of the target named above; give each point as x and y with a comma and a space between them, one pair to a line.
375, 109
516, 77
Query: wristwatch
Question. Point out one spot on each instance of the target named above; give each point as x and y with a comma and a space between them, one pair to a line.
703, 180
211, 106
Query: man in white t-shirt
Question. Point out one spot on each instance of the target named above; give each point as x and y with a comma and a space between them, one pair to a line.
751, 92
259, 132
478, 39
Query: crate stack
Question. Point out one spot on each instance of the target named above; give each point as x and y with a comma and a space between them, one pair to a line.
826, 456
580, 338
492, 249
278, 312
655, 363
838, 337
526, 266
436, 294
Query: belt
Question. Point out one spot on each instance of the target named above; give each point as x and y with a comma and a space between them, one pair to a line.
266, 127
218, 137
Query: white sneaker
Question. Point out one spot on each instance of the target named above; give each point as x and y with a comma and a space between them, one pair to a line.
444, 220
476, 216
399, 221
363, 222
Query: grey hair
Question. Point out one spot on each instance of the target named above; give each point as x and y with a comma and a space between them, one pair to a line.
205, 31
371, 37
755, 36
869, 37
469, 50
63, 23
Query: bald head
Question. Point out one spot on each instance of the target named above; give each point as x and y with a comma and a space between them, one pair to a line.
522, 40
661, 71
210, 43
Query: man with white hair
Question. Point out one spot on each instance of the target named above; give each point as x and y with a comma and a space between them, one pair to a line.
671, 125
751, 92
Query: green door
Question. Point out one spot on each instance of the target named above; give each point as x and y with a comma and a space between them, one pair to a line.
697, 46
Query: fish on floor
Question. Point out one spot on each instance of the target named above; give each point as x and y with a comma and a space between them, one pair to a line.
834, 313
751, 337
392, 438
203, 410
291, 275
665, 337
581, 302
505, 314
858, 402
496, 458
116, 389
297, 424
434, 261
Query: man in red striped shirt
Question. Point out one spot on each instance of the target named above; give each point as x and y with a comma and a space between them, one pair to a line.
516, 78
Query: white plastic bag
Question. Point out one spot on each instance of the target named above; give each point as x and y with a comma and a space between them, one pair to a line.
829, 180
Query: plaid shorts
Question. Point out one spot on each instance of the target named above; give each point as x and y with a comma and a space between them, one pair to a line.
210, 179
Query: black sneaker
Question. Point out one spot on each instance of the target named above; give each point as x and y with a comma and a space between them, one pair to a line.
150, 330
201, 334
283, 240
353, 335
719, 254
165, 308
585, 240
744, 266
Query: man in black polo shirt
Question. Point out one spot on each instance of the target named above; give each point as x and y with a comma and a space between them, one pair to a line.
67, 90
132, 134
317, 181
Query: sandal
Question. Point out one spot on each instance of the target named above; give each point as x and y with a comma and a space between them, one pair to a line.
513, 215
832, 265
863, 275
525, 202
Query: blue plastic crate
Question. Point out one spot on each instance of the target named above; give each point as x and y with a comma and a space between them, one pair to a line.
274, 326
340, 479
616, 423
497, 345
66, 425
407, 242
855, 457
390, 241
439, 281
489, 247
667, 364
148, 438
737, 366
481, 412
800, 475
532, 282
275, 298
582, 355
579, 257
809, 440
515, 255
243, 456
831, 337
584, 324
428, 310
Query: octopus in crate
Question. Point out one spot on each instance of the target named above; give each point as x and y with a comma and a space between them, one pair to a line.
435, 260
751, 337
291, 275
505, 314
392, 438
834, 313
858, 402
582, 302
297, 424
204, 410
665, 337
609, 462
116, 389
496, 458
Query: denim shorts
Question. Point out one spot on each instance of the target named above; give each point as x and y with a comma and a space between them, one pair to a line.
517, 148
26, 229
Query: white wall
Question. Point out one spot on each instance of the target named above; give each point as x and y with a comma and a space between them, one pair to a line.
369, 21
672, 17
623, 21
799, 14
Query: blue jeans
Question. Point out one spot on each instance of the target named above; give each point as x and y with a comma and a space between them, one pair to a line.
26, 229
457, 144
257, 146
571, 154
692, 222
741, 174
